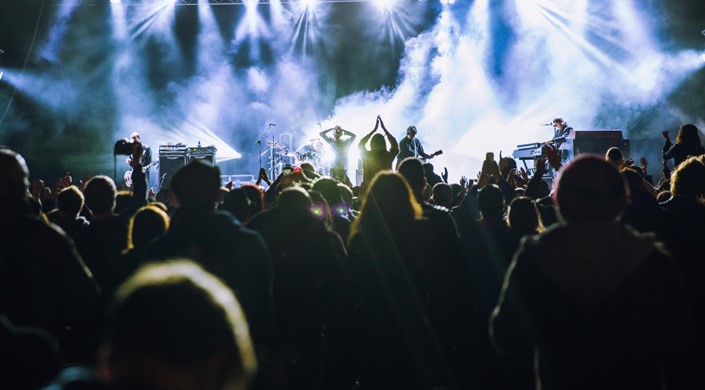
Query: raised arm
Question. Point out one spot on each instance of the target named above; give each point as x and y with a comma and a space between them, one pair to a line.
667, 152
363, 141
394, 149
325, 134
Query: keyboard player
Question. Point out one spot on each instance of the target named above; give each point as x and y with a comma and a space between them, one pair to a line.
560, 129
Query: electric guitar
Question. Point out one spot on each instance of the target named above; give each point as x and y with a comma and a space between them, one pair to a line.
128, 174
432, 155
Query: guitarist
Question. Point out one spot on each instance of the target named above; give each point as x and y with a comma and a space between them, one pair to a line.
410, 146
145, 161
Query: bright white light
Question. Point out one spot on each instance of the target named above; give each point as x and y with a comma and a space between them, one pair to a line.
701, 56
385, 4
308, 4
114, 1
447, 2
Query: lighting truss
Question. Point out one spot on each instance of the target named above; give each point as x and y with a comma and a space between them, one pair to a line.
186, 2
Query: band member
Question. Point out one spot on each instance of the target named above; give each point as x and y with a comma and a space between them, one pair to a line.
410, 146
340, 141
377, 158
145, 161
560, 128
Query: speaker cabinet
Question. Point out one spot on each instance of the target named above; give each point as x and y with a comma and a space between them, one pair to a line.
204, 158
168, 165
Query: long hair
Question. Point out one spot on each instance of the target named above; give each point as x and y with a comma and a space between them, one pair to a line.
388, 206
524, 217
688, 136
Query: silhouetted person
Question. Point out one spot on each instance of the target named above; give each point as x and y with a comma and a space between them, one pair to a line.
688, 144
307, 260
149, 223
340, 142
685, 231
392, 342
598, 305
43, 281
67, 214
28, 357
377, 158
339, 210
172, 326
101, 243
219, 243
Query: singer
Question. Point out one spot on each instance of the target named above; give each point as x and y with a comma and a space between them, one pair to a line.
560, 128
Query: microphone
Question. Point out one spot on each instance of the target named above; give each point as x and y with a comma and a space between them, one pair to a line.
547, 124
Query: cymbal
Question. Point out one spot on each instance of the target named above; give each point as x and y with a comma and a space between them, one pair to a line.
276, 145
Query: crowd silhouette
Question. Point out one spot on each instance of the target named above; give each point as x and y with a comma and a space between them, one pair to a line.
592, 280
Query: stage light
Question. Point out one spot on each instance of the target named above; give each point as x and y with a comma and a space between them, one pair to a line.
447, 2
115, 1
309, 4
384, 4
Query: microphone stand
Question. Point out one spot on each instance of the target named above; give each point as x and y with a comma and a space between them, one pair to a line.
259, 142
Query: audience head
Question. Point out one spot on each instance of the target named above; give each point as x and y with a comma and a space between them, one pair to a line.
634, 179
490, 201
308, 168
14, 176
70, 202
590, 189
389, 204
523, 216
122, 201
412, 169
238, 204
663, 196
255, 195
173, 325
688, 135
148, 223
506, 164
378, 143
294, 198
443, 195
100, 195
346, 194
614, 155
196, 184
329, 189
688, 179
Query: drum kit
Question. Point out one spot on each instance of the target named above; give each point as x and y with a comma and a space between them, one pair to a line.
281, 156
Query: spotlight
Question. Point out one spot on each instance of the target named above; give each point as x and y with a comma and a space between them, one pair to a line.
115, 1
447, 2
309, 4
384, 4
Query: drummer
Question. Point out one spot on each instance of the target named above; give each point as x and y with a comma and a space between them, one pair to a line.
340, 141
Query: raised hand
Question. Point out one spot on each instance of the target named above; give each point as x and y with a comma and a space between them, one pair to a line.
540, 165
553, 156
444, 176
523, 174
463, 181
